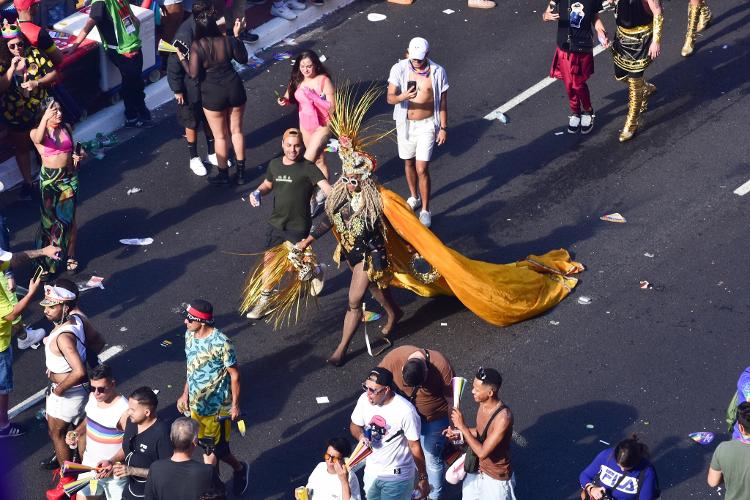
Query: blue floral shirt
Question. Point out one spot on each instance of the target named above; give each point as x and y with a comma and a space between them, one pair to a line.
208, 379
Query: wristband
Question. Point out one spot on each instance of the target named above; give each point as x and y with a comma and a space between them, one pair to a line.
658, 27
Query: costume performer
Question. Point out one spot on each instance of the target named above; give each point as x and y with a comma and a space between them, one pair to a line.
383, 242
699, 17
58, 182
637, 42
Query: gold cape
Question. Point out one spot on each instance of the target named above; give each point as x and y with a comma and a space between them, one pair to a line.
501, 294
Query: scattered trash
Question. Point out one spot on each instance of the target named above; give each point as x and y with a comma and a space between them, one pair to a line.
41, 414
615, 217
322, 58
290, 41
321, 400
604, 442
649, 255
554, 323
559, 133
155, 391
282, 56
376, 17
169, 386
255, 62
448, 11
702, 437
519, 440
134, 190
106, 141
137, 241
93, 282
589, 426
725, 47
646, 285
166, 343
502, 117
584, 300
443, 324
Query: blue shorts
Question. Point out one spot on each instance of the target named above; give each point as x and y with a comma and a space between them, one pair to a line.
6, 371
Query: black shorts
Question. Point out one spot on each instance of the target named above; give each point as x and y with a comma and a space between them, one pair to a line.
276, 236
191, 115
220, 97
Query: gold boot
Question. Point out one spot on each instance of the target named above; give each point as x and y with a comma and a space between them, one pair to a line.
692, 27
704, 19
649, 89
635, 104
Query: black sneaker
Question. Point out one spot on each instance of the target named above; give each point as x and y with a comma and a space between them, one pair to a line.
49, 463
241, 479
221, 178
587, 122
249, 37
241, 177
15, 430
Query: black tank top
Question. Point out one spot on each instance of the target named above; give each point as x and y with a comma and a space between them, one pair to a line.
632, 13
574, 28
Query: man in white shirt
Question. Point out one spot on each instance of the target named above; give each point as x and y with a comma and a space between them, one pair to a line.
418, 89
391, 426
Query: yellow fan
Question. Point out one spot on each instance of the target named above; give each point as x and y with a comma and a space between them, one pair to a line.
166, 47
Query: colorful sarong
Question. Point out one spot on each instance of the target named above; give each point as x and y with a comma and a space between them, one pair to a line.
59, 192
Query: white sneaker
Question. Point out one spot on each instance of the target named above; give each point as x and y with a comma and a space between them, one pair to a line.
425, 217
574, 123
279, 9
413, 202
296, 5
318, 281
197, 166
587, 122
32, 337
261, 308
215, 161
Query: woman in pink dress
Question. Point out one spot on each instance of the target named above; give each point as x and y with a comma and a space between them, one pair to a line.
311, 89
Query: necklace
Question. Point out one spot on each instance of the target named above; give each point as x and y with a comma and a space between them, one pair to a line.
356, 202
423, 72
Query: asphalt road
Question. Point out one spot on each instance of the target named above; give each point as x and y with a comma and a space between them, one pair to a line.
659, 362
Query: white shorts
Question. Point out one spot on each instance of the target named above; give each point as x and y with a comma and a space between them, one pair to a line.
68, 406
483, 487
416, 138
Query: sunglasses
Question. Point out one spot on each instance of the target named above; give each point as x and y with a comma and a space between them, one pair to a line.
350, 180
16, 45
99, 390
330, 458
370, 390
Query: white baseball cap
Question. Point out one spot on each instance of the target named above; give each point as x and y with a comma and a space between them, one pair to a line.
5, 256
418, 48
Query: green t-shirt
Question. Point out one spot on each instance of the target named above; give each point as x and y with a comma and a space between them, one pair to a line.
732, 458
7, 301
293, 186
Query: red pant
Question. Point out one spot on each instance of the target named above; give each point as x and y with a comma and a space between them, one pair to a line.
574, 69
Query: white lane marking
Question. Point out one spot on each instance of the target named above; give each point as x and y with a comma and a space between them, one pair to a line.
27, 403
540, 85
743, 189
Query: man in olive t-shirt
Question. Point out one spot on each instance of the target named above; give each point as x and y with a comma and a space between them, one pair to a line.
424, 377
292, 180
731, 461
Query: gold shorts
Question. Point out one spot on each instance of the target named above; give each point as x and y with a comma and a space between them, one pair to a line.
211, 426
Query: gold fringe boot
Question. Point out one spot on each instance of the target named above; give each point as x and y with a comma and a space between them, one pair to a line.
636, 103
704, 19
692, 29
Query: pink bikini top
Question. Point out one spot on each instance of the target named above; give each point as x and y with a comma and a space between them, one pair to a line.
51, 148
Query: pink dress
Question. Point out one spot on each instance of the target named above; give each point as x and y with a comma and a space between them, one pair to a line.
313, 107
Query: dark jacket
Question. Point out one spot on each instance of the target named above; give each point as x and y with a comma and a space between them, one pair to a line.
179, 81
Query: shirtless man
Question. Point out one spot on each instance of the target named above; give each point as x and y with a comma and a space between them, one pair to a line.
418, 89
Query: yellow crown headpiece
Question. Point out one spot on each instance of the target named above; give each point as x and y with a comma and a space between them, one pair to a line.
10, 30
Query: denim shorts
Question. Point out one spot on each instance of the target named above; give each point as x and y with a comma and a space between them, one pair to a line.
6, 371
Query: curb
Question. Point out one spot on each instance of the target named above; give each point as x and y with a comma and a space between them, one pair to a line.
110, 119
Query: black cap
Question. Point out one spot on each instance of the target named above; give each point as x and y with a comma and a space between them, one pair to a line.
490, 376
200, 311
381, 376
414, 372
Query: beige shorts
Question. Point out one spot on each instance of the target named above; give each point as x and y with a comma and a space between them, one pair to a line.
416, 138
68, 406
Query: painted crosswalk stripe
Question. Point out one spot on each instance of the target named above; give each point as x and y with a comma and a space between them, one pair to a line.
32, 400
743, 189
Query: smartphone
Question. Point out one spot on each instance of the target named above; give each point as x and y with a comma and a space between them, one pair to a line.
38, 272
182, 47
411, 86
79, 148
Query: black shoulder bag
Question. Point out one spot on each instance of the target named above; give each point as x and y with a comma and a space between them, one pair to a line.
471, 463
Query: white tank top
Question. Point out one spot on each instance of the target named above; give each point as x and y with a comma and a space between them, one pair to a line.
56, 363
103, 438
